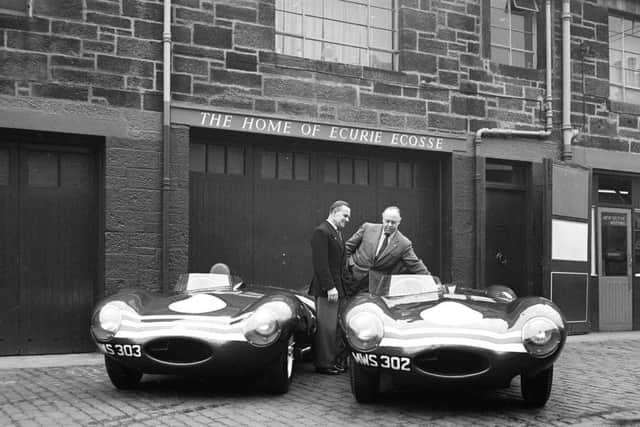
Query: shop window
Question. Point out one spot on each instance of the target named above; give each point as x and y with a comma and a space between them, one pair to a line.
624, 59
4, 167
285, 166
613, 190
346, 170
43, 169
217, 159
513, 32
359, 32
636, 241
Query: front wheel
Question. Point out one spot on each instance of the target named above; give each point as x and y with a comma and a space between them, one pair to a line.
536, 389
121, 376
364, 384
280, 373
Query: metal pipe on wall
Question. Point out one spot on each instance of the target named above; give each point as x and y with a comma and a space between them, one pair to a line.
166, 143
567, 132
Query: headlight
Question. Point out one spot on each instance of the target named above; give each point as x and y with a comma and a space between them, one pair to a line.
110, 316
540, 336
264, 326
364, 330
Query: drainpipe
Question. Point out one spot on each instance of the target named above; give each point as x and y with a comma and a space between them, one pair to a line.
166, 143
567, 132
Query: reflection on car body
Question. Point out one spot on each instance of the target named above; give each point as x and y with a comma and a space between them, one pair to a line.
212, 324
418, 331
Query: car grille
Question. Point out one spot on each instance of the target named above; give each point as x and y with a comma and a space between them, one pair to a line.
451, 363
178, 350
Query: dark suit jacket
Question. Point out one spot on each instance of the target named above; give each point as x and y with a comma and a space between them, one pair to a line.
397, 257
329, 261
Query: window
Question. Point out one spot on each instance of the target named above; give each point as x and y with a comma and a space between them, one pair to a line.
285, 166
513, 32
217, 159
614, 190
346, 170
359, 32
624, 59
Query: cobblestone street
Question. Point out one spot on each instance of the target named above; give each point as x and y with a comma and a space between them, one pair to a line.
596, 383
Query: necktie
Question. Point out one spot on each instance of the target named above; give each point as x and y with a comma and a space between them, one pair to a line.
384, 244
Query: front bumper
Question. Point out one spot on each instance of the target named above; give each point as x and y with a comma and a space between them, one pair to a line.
449, 364
170, 355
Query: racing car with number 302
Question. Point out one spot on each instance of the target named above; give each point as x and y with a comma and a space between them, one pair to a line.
417, 331
213, 324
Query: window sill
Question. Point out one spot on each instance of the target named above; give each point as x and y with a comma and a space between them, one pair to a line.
623, 107
518, 72
336, 68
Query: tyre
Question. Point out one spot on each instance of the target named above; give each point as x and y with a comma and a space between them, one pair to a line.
122, 377
536, 389
364, 385
279, 374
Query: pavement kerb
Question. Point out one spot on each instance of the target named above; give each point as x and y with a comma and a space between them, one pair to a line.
80, 359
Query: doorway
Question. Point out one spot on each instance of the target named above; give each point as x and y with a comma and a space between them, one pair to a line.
614, 265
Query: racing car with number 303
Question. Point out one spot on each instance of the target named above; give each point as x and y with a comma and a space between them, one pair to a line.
419, 332
213, 324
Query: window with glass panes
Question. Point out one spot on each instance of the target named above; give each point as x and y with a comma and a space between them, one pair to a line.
513, 32
359, 32
624, 59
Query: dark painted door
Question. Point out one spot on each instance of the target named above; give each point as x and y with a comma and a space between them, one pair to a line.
51, 207
505, 259
260, 221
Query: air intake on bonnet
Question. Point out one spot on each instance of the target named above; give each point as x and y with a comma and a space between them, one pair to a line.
178, 350
451, 363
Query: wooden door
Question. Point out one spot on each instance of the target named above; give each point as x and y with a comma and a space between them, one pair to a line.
505, 261
49, 214
9, 252
614, 265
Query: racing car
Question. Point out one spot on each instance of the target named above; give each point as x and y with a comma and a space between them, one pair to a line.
212, 324
417, 331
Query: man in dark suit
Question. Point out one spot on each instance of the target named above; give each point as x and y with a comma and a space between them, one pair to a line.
381, 249
329, 265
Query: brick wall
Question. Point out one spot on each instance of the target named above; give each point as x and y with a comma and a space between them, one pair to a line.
105, 57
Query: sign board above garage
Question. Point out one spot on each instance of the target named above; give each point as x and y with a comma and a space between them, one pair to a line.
314, 130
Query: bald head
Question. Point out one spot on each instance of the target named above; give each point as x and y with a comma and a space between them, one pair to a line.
391, 219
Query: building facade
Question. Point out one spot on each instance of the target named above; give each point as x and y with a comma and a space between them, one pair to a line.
143, 139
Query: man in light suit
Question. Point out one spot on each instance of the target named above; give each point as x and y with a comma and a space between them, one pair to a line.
381, 249
329, 268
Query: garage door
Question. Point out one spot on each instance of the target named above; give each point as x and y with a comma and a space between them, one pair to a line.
255, 199
48, 230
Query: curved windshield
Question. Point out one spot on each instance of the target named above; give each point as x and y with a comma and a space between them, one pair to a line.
400, 285
206, 281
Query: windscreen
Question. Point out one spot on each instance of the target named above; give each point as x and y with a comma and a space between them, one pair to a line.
401, 285
204, 281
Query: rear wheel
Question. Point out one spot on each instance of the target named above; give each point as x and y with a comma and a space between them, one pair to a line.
121, 376
364, 384
279, 375
536, 389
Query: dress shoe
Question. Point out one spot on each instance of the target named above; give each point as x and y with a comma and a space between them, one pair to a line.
340, 367
328, 371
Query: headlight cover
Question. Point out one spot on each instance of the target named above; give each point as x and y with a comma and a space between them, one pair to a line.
540, 336
364, 330
263, 327
110, 316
